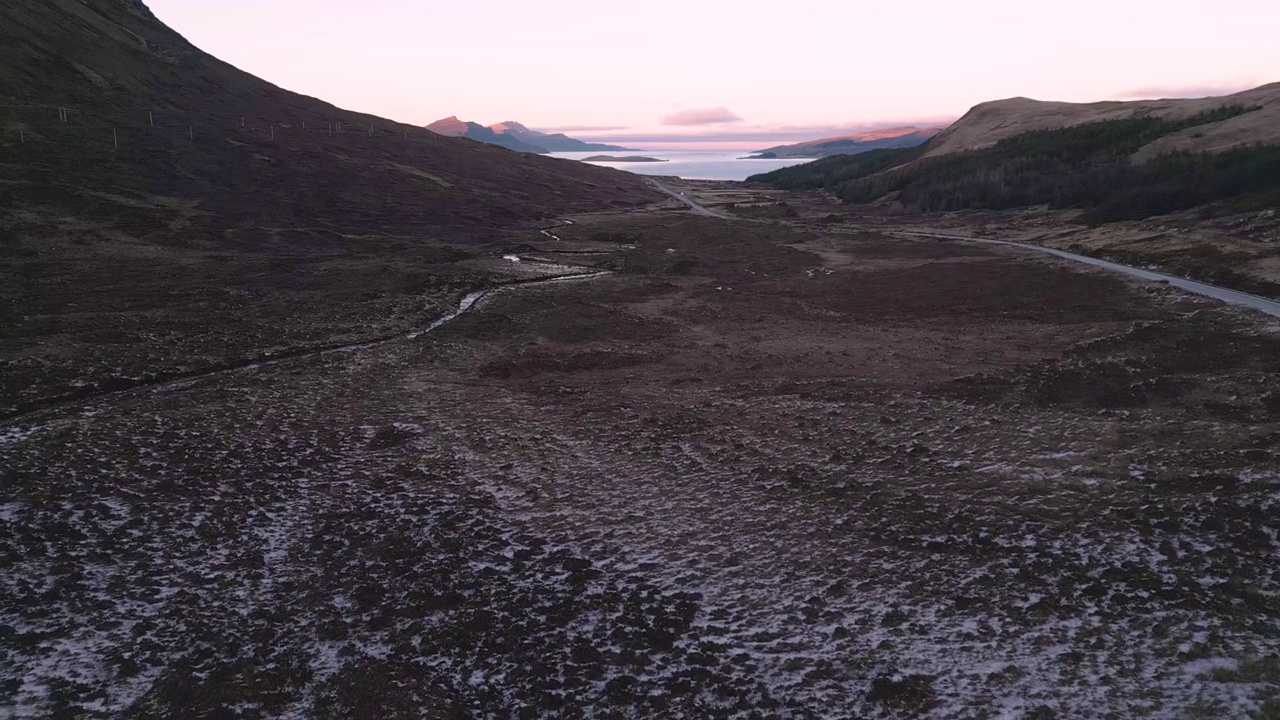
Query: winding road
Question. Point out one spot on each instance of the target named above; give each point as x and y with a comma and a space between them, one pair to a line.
1234, 297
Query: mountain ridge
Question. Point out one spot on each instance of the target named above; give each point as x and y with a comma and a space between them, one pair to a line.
455, 128
896, 137
515, 136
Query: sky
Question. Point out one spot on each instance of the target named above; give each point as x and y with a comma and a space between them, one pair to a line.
730, 73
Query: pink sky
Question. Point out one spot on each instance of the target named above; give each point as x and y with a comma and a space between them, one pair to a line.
734, 72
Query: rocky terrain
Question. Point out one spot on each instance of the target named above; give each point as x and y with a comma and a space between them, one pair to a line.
751, 472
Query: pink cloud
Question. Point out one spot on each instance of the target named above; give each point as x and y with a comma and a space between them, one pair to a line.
700, 116
581, 128
1226, 87
776, 134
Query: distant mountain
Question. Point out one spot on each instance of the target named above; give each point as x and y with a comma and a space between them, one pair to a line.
899, 137
555, 142
515, 136
453, 127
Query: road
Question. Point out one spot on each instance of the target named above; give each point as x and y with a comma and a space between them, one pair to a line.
1234, 297
695, 207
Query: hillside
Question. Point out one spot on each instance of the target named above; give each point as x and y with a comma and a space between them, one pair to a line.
853, 144
514, 136
185, 213
990, 122
1123, 162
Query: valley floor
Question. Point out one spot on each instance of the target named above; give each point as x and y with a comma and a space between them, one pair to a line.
756, 471
1238, 250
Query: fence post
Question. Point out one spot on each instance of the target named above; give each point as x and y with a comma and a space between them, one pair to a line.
191, 133
273, 131
151, 119
22, 136
370, 129
304, 124
330, 129
241, 121
115, 138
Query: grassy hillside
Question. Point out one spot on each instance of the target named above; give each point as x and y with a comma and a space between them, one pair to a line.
1087, 166
990, 122
162, 209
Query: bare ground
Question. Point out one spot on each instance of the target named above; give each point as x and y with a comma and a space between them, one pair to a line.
759, 471
1239, 250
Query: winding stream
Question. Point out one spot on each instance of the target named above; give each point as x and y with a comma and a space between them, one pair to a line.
173, 380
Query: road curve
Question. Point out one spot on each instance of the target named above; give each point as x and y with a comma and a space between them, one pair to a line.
695, 207
1235, 297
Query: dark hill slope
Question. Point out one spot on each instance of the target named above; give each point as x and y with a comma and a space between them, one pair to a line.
905, 137
1096, 167
111, 61
234, 225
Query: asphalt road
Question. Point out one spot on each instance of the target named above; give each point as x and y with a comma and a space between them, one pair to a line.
695, 207
1234, 297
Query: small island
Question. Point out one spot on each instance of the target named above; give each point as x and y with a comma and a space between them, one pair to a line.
615, 158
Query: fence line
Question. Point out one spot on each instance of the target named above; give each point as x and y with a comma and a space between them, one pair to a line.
65, 113
63, 118
153, 108
292, 127
54, 133
302, 125
274, 131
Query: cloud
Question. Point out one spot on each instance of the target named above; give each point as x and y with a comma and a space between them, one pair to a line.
700, 116
1225, 87
582, 128
772, 134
